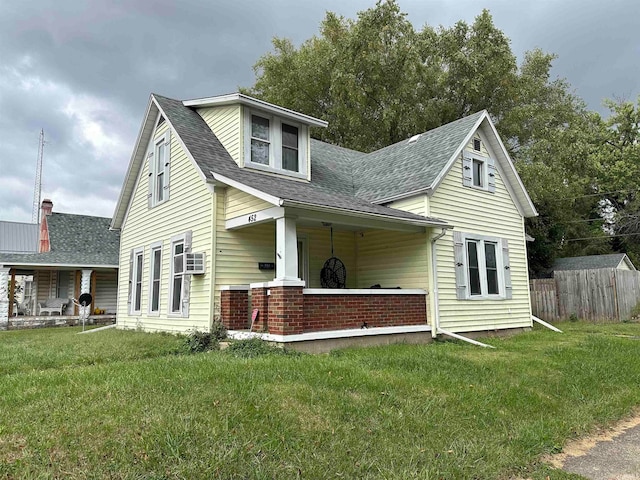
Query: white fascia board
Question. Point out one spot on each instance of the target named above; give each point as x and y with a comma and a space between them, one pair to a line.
54, 266
357, 214
239, 98
458, 151
254, 218
247, 189
131, 177
174, 132
422, 191
528, 206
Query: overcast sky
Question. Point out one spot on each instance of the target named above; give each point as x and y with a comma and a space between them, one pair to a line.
83, 71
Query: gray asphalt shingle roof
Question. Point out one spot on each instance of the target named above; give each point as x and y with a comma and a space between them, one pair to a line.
411, 166
75, 240
589, 262
330, 183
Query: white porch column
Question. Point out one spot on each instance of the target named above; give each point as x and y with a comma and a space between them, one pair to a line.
85, 282
286, 249
4, 298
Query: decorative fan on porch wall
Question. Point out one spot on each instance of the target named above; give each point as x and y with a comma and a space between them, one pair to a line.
333, 273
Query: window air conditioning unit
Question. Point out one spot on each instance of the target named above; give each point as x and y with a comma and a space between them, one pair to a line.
195, 263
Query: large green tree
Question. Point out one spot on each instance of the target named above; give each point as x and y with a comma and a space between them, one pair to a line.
378, 80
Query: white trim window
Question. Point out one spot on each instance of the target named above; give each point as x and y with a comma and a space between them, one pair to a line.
303, 259
482, 267
275, 145
155, 275
179, 282
136, 263
159, 159
478, 171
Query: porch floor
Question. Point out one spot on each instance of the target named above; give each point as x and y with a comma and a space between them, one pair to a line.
42, 321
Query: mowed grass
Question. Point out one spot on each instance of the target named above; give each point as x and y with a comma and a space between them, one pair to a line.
131, 405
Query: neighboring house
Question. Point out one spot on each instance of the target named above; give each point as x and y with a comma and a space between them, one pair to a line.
589, 262
238, 184
61, 257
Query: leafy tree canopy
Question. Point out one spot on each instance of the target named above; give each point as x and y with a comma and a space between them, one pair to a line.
378, 80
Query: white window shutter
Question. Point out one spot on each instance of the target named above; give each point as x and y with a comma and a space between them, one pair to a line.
508, 289
491, 169
186, 279
460, 266
151, 179
129, 299
467, 173
167, 164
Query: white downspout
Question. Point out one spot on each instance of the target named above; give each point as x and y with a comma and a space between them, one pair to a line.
436, 306
434, 278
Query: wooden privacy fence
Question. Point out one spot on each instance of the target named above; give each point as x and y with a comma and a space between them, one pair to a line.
602, 295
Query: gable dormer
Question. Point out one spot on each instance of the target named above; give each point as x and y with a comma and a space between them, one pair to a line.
259, 135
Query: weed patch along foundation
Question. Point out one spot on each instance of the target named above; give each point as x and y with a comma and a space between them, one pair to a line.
124, 404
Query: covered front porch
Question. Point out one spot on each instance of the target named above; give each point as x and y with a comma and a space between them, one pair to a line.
384, 294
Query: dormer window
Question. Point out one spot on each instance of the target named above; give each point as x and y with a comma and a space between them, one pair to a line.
275, 144
290, 151
260, 140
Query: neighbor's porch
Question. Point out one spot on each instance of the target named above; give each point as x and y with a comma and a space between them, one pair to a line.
43, 296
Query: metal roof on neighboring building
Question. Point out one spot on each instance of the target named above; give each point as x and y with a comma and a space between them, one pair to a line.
17, 237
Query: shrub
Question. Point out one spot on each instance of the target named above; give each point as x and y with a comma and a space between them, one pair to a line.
218, 330
197, 341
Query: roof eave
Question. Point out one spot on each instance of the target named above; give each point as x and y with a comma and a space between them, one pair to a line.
239, 98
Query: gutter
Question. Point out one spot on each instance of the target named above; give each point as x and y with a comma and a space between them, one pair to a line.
436, 305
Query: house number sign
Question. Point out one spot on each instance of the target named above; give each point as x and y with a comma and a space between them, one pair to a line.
253, 217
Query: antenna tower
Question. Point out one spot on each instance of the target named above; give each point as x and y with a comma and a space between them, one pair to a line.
35, 214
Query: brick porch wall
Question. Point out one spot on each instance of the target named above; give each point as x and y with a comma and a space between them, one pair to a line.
286, 313
338, 312
234, 306
260, 302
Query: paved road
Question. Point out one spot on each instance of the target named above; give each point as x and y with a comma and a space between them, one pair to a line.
616, 459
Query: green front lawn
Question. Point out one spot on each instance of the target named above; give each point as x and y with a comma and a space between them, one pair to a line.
131, 405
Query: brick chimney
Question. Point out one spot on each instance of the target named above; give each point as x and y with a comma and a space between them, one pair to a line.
46, 209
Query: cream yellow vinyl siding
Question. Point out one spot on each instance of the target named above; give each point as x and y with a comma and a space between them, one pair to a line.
392, 259
226, 123
319, 251
238, 252
492, 214
417, 204
238, 203
189, 208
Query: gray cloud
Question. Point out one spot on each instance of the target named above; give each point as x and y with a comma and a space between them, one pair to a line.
83, 71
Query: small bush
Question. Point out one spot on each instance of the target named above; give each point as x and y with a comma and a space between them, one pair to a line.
573, 317
197, 341
254, 347
218, 330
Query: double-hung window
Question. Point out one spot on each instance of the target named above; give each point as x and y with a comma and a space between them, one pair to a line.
478, 171
159, 168
274, 144
177, 276
482, 267
179, 280
155, 273
135, 280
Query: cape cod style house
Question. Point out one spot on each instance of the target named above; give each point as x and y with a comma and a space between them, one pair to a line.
230, 211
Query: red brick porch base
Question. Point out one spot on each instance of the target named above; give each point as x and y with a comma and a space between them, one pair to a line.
234, 307
286, 308
340, 311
